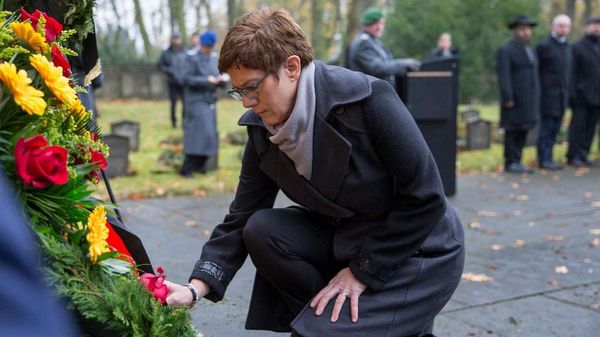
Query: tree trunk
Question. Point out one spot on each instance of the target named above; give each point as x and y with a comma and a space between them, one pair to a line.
178, 18
571, 9
117, 36
588, 9
357, 7
139, 20
209, 17
317, 32
231, 12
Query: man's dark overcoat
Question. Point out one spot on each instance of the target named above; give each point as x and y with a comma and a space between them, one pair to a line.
376, 181
555, 73
586, 72
518, 80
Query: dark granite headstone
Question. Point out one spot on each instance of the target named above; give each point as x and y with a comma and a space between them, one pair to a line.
118, 160
129, 129
478, 134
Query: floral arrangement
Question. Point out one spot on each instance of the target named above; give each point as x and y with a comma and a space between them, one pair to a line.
51, 155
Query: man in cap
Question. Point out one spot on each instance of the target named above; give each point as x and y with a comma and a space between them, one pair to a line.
368, 55
200, 127
586, 94
554, 54
171, 62
518, 80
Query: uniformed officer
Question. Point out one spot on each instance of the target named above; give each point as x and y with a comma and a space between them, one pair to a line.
368, 55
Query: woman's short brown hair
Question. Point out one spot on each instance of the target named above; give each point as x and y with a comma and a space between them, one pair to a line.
263, 39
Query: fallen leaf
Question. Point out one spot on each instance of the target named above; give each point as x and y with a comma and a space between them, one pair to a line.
588, 195
491, 266
470, 277
532, 224
474, 224
561, 270
519, 244
513, 320
596, 204
517, 212
136, 196
555, 238
522, 197
514, 185
555, 178
206, 232
595, 243
595, 231
191, 223
489, 214
553, 283
586, 260
160, 191
497, 247
525, 180
199, 193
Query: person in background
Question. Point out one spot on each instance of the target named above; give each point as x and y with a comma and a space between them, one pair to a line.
201, 78
170, 62
372, 247
554, 54
444, 47
194, 47
27, 307
586, 94
367, 54
519, 84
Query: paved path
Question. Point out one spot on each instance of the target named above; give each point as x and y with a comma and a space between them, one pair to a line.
537, 237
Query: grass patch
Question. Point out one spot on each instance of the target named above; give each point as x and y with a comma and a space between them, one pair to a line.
150, 179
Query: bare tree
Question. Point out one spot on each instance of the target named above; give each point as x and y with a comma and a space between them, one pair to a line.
209, 17
571, 9
588, 9
139, 20
317, 30
355, 10
178, 18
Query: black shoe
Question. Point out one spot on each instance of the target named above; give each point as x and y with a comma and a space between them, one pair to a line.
589, 163
517, 168
550, 166
577, 163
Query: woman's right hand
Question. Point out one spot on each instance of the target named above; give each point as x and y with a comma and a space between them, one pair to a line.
181, 296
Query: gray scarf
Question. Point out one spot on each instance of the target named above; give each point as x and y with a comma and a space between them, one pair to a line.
295, 137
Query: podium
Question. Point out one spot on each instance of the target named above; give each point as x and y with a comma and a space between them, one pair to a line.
431, 96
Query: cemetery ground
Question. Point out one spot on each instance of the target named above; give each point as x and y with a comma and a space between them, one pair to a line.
152, 169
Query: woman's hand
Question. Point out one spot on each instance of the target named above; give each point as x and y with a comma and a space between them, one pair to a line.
181, 296
344, 284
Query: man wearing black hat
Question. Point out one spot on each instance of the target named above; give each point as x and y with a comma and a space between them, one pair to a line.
554, 53
171, 62
586, 94
518, 80
368, 55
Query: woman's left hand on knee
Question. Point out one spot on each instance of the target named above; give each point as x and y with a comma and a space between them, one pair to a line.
343, 285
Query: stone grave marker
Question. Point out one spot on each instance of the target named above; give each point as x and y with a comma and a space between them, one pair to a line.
129, 129
118, 160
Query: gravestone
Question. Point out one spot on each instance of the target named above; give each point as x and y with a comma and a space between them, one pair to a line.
478, 134
129, 129
118, 160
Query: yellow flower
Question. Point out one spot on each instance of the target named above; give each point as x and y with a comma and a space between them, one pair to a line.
55, 81
97, 233
27, 97
78, 108
25, 32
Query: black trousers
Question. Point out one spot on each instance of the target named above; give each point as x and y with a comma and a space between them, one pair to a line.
175, 91
549, 128
193, 163
581, 130
514, 142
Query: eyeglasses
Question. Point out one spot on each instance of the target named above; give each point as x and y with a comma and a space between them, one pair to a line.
250, 91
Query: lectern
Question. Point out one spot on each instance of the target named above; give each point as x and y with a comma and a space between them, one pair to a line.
431, 96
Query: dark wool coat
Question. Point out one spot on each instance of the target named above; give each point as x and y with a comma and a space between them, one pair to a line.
375, 178
555, 74
200, 120
518, 80
586, 71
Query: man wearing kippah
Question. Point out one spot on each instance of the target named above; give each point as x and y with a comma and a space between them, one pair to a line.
368, 55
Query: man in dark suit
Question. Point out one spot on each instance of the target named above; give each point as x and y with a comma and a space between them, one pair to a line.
368, 55
518, 80
171, 63
586, 94
26, 306
554, 54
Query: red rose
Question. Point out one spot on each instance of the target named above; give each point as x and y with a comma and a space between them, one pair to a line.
60, 60
155, 285
38, 164
99, 160
53, 27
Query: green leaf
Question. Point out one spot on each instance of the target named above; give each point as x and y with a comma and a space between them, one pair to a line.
77, 237
107, 255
